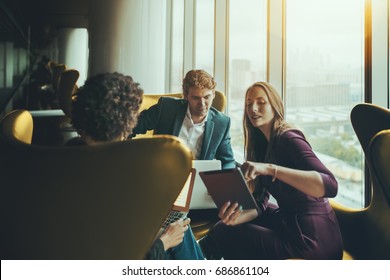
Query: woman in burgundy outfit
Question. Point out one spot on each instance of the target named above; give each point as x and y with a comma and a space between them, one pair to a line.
282, 163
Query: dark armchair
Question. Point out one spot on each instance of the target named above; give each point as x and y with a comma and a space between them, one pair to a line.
366, 232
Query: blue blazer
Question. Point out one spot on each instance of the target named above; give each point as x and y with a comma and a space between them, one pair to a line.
167, 116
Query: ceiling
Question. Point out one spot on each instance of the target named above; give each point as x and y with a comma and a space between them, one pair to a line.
41, 17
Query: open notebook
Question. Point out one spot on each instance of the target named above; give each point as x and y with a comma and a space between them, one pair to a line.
181, 206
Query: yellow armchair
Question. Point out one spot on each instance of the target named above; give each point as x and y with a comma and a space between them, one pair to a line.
57, 69
17, 126
66, 88
104, 201
149, 100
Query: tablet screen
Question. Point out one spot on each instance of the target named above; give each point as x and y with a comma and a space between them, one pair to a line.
228, 185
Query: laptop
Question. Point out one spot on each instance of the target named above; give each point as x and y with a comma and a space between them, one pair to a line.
200, 196
181, 206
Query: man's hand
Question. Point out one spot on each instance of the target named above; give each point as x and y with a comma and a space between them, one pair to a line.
174, 233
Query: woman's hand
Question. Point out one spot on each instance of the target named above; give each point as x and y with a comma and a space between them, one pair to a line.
230, 213
174, 233
307, 181
251, 170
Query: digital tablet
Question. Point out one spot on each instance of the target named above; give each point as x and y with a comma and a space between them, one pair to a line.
228, 185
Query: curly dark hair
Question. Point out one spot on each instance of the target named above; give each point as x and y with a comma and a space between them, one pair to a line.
198, 78
106, 107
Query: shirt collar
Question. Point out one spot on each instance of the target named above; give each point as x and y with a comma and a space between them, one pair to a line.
188, 115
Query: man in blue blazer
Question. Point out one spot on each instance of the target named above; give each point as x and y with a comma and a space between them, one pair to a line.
205, 130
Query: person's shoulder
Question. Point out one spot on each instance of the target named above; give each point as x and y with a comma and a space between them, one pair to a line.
217, 115
169, 101
291, 133
292, 138
172, 99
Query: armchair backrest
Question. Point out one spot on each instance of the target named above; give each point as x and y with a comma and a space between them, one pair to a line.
66, 88
367, 120
57, 70
104, 201
366, 232
378, 231
149, 100
219, 101
379, 158
371, 124
17, 126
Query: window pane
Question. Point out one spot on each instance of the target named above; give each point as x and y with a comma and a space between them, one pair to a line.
247, 60
324, 80
177, 45
204, 35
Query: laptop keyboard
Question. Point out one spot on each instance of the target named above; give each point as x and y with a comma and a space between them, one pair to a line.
173, 216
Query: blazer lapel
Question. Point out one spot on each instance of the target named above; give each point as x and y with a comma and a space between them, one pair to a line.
181, 113
208, 132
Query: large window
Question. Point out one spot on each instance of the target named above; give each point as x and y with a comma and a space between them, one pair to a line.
315, 58
247, 60
200, 29
177, 44
324, 80
204, 35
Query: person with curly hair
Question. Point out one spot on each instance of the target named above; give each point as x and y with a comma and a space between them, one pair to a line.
280, 162
105, 109
205, 130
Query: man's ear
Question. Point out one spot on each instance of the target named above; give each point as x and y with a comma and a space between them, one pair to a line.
185, 96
